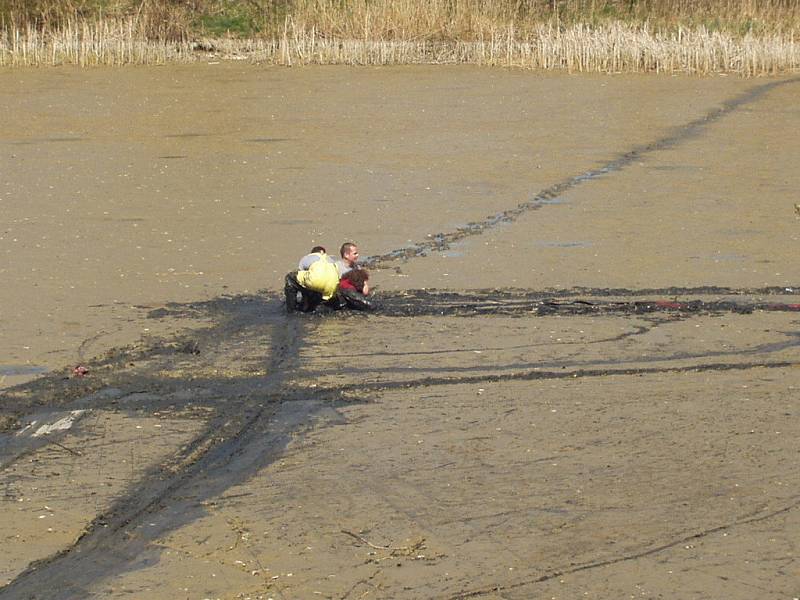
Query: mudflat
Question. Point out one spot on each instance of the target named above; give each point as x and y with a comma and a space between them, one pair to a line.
582, 380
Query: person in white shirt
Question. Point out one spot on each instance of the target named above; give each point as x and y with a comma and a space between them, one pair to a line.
349, 260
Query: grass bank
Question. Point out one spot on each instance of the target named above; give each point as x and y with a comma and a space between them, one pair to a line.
747, 37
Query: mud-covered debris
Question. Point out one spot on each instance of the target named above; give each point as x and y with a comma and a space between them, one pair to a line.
190, 347
164, 348
8, 422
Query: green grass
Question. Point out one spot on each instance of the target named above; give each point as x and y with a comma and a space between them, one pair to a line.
247, 18
239, 25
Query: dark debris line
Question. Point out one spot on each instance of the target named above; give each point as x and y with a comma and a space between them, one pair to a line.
430, 303
442, 241
573, 301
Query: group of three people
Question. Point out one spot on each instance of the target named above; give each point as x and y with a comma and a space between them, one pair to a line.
321, 279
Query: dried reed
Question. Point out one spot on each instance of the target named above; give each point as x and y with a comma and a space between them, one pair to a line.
89, 43
575, 35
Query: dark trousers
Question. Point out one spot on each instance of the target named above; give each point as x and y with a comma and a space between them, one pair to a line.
353, 300
299, 298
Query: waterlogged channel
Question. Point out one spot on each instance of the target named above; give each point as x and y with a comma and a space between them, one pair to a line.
581, 380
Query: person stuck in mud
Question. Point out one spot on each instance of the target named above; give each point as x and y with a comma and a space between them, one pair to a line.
315, 281
321, 279
354, 289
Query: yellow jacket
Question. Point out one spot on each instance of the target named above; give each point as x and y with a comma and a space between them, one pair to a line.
322, 276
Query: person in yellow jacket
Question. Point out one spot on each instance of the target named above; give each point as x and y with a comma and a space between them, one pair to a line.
315, 284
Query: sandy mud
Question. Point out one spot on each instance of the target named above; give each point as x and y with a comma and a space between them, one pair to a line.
581, 381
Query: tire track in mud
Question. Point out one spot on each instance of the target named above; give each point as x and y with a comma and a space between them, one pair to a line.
547, 196
110, 541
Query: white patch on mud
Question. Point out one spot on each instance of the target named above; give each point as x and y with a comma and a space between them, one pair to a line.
60, 425
28, 426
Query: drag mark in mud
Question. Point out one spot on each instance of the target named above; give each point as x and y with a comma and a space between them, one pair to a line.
754, 517
690, 130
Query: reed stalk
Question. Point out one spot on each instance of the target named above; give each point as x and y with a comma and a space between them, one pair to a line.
745, 37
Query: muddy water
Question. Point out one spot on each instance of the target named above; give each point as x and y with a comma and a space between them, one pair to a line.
622, 424
126, 189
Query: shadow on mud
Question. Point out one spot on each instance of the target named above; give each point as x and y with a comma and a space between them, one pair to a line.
244, 370
251, 345
254, 412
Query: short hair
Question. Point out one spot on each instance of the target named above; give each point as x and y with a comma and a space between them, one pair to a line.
345, 248
358, 277
316, 249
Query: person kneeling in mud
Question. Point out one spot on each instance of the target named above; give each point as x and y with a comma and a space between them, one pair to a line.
315, 282
354, 289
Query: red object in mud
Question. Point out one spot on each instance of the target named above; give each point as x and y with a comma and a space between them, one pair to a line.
668, 304
80, 371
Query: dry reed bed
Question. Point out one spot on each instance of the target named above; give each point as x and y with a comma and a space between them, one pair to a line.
610, 48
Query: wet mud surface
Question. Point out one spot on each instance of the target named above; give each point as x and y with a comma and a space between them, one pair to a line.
513, 422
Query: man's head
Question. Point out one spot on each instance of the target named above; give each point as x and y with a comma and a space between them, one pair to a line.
318, 250
349, 252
